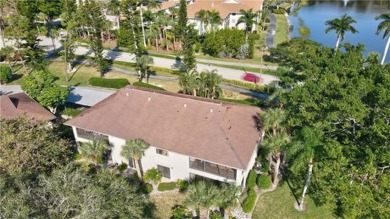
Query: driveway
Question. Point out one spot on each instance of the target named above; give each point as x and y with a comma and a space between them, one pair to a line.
271, 31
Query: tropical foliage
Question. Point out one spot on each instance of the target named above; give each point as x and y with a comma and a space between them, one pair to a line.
134, 149
384, 27
340, 26
205, 84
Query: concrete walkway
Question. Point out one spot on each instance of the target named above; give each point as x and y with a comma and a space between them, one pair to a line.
271, 31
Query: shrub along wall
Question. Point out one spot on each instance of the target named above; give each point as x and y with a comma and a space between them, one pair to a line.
249, 202
166, 186
263, 182
116, 83
251, 181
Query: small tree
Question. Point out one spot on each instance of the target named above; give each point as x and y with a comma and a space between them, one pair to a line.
153, 175
5, 74
41, 86
94, 150
134, 149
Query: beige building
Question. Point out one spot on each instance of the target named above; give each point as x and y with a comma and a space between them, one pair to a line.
189, 136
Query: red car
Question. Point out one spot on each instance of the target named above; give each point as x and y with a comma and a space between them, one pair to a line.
252, 77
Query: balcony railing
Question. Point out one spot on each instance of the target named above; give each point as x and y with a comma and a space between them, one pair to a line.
212, 168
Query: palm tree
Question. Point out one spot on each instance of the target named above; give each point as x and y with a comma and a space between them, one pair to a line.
134, 149
214, 19
341, 26
230, 197
301, 153
212, 84
274, 144
189, 82
93, 150
385, 27
248, 18
273, 120
202, 15
143, 65
202, 195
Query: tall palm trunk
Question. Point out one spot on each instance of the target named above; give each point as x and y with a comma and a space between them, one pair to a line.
2, 37
137, 163
142, 26
276, 170
338, 42
157, 43
386, 49
307, 183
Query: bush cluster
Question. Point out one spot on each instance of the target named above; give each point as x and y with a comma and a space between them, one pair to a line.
250, 86
251, 181
249, 202
116, 83
223, 43
71, 111
5, 74
142, 84
264, 182
183, 185
146, 188
279, 11
166, 186
172, 71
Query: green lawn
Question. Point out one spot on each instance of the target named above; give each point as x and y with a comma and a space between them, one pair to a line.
282, 32
280, 204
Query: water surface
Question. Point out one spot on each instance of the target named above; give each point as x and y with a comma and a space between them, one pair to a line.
364, 12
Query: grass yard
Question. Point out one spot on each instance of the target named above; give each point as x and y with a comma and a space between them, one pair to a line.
165, 202
80, 77
280, 204
282, 32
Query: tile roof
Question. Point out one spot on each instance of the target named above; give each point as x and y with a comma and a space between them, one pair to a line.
14, 105
225, 7
223, 133
166, 5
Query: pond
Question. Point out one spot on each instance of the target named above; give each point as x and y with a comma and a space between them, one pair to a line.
314, 15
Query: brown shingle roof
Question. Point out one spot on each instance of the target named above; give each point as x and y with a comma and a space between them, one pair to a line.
14, 105
223, 133
222, 6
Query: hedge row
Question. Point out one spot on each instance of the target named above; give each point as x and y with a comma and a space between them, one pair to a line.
264, 182
250, 86
249, 202
172, 71
116, 83
142, 84
166, 186
251, 181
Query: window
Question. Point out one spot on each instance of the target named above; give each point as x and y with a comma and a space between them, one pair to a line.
90, 135
162, 152
166, 172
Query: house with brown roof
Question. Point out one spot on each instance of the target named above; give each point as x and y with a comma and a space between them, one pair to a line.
229, 11
189, 136
18, 104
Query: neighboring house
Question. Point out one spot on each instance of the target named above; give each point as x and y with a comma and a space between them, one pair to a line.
229, 11
18, 104
189, 136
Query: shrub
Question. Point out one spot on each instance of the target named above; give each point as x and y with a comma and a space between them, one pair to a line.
116, 83
122, 167
183, 185
146, 188
263, 182
279, 11
142, 84
216, 215
71, 111
172, 71
5, 74
180, 212
153, 175
264, 166
250, 86
243, 51
166, 186
249, 202
251, 181
77, 156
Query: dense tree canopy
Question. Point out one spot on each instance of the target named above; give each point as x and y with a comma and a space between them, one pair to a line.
28, 148
347, 99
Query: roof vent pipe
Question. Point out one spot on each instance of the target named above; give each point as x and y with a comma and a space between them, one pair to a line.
149, 98
185, 105
211, 110
127, 94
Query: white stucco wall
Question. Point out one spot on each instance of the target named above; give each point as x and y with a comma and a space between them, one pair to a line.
177, 163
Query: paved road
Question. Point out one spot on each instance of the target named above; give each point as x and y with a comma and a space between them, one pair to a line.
271, 31
163, 62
